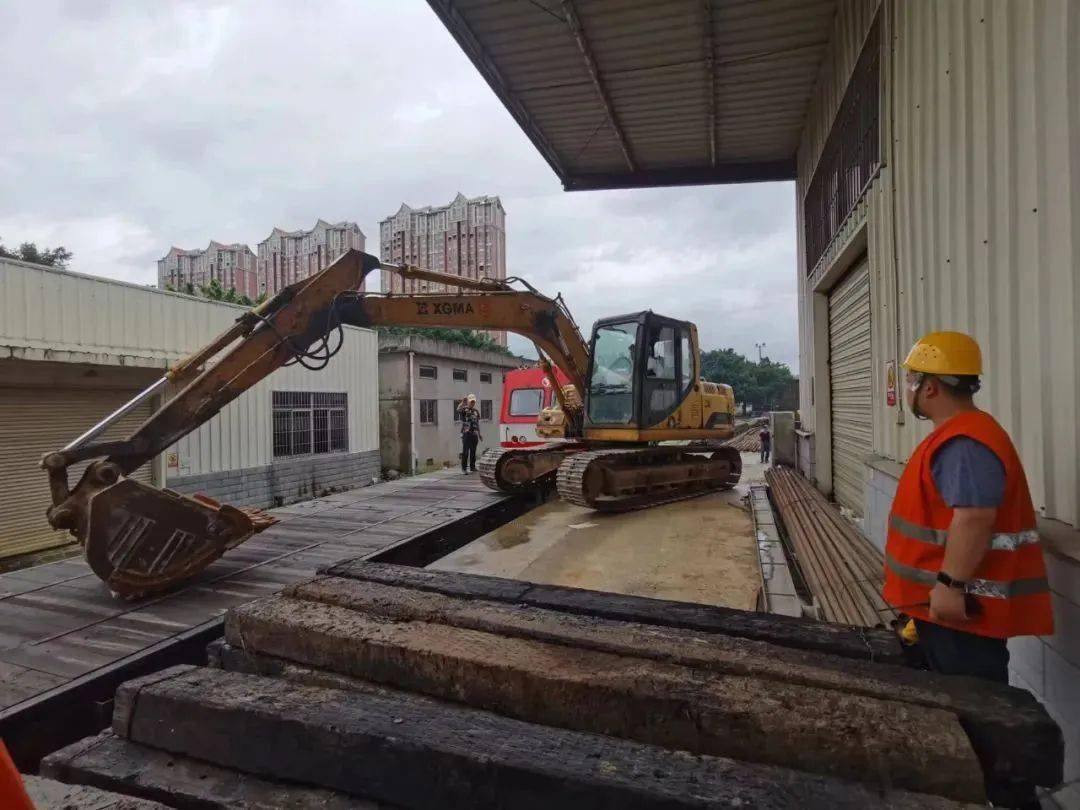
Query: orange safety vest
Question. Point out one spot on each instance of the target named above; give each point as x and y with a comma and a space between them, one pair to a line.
1010, 584
12, 793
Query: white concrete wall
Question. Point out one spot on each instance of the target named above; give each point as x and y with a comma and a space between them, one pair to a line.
441, 442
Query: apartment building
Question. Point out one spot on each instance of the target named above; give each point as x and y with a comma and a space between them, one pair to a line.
465, 237
233, 266
288, 256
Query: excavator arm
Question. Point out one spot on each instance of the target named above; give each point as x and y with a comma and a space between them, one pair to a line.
141, 540
529, 314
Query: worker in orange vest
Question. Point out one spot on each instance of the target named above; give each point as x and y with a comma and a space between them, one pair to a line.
12, 792
963, 556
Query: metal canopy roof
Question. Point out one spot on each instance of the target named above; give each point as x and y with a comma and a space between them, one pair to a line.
629, 93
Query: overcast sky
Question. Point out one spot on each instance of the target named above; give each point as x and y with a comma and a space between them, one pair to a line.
128, 127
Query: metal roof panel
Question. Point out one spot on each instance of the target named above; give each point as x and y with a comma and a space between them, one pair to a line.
617, 92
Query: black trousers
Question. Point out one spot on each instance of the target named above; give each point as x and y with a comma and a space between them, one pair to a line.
766, 448
954, 652
468, 451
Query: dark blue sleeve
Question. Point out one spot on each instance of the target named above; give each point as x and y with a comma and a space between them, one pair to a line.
967, 473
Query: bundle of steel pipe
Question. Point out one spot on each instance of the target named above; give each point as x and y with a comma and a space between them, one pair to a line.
843, 570
746, 436
747, 442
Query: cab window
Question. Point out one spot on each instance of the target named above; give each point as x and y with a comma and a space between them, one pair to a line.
526, 401
611, 387
661, 389
686, 362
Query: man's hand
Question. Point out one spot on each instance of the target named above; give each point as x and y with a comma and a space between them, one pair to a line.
948, 605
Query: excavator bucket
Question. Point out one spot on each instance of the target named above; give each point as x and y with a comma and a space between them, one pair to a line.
140, 540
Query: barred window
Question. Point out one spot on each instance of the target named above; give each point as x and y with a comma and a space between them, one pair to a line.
850, 158
485, 409
310, 422
485, 376
461, 374
429, 372
429, 412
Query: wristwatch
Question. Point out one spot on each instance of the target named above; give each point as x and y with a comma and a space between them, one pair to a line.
949, 582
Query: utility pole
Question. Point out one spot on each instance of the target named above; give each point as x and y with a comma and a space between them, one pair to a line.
759, 347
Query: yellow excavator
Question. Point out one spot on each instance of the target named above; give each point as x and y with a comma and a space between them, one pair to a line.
637, 425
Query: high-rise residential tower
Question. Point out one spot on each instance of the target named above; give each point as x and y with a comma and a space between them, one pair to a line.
466, 237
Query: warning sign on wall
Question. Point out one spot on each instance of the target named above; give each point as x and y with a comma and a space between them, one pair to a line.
890, 383
172, 460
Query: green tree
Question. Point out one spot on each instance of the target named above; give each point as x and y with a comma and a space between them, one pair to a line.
189, 288
231, 296
245, 301
727, 366
29, 252
770, 382
214, 291
759, 386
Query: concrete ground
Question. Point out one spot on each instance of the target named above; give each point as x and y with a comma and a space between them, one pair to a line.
699, 550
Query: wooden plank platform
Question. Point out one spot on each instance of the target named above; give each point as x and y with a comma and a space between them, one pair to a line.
61, 631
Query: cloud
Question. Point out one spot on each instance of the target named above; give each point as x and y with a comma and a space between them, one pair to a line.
131, 127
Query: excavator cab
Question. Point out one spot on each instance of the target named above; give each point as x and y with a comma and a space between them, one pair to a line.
643, 372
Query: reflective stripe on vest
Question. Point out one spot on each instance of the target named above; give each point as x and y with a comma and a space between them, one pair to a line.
1001, 541
991, 588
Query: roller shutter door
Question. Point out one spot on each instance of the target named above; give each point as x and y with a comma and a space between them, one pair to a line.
850, 384
35, 421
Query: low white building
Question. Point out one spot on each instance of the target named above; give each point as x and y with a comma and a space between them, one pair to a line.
73, 348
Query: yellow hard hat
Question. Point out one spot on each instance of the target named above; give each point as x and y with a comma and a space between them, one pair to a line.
950, 353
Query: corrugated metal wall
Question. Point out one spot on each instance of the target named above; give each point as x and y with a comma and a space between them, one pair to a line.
74, 317
241, 435
55, 315
850, 374
974, 220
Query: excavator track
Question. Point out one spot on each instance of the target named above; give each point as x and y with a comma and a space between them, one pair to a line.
627, 478
519, 469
